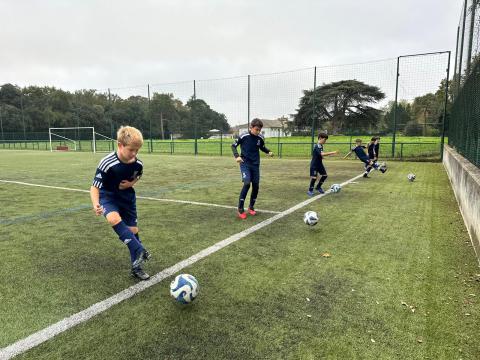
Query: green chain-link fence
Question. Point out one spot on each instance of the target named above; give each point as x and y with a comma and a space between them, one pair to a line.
464, 122
401, 99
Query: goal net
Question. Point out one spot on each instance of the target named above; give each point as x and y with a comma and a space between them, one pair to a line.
79, 139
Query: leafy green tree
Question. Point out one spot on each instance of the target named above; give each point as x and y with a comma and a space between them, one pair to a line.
403, 116
204, 118
344, 105
166, 114
35, 109
132, 111
10, 95
11, 118
428, 109
60, 101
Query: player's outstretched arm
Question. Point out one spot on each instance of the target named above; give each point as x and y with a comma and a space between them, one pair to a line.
347, 155
95, 197
265, 149
330, 153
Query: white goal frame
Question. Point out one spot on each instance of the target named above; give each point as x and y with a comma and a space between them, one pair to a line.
50, 132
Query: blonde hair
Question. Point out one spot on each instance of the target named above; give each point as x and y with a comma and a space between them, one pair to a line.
128, 135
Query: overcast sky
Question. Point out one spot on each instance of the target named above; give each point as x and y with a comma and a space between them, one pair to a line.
100, 44
88, 44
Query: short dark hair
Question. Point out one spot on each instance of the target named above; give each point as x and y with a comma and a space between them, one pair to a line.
323, 135
374, 138
256, 123
358, 140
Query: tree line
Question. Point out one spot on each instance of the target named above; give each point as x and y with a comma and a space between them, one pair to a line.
34, 109
342, 107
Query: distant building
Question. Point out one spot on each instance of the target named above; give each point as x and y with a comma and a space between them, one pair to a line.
271, 128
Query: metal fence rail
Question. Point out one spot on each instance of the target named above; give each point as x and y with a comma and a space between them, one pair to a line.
403, 150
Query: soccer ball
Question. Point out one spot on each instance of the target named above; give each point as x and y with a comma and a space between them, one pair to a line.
411, 177
336, 188
382, 167
310, 218
184, 288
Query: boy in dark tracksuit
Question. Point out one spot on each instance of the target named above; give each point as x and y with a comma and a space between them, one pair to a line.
359, 150
250, 143
316, 165
372, 149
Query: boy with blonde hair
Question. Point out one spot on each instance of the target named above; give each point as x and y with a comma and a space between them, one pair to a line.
112, 194
359, 150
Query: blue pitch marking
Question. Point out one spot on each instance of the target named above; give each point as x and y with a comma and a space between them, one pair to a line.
43, 215
184, 186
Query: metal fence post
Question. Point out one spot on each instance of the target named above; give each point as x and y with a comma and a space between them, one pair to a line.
23, 116
248, 102
395, 109
470, 37
195, 119
445, 108
278, 142
462, 43
150, 148
313, 109
1, 121
455, 74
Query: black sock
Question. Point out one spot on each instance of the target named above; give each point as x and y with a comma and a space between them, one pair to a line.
312, 184
322, 180
243, 195
253, 195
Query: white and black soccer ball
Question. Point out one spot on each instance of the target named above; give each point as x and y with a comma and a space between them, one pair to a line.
383, 167
336, 188
184, 288
310, 218
411, 177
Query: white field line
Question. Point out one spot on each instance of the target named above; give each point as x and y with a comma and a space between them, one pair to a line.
49, 332
138, 197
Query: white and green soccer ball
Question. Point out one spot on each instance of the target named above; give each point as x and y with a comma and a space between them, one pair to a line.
184, 288
310, 218
411, 177
336, 188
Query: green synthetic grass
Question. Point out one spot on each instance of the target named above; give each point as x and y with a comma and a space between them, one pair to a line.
401, 281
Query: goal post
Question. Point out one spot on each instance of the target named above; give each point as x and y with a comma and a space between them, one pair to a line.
71, 135
75, 138
104, 140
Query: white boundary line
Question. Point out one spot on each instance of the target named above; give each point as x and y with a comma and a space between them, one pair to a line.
138, 197
51, 331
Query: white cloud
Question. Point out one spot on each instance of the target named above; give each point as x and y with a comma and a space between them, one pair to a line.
101, 44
